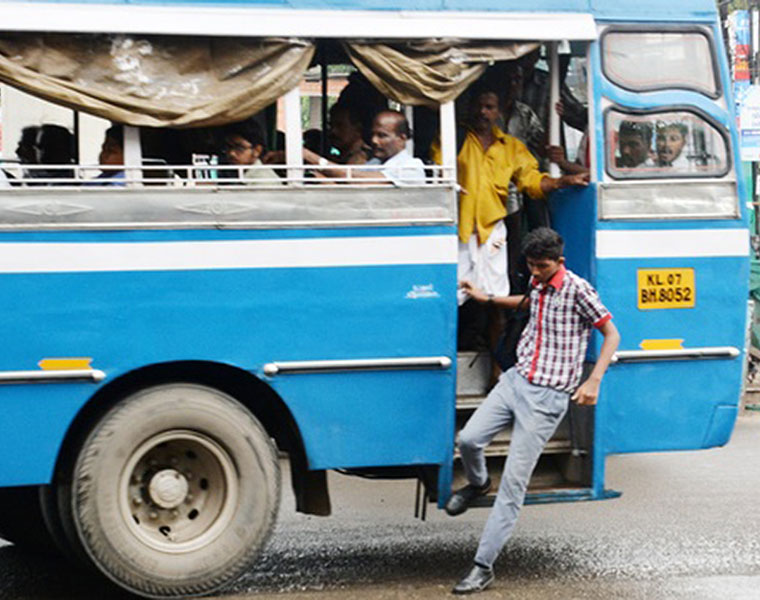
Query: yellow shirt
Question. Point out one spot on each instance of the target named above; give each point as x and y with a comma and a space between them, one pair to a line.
484, 176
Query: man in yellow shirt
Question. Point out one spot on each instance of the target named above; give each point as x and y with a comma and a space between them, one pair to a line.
487, 161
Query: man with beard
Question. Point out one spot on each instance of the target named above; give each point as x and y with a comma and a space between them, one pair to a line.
669, 143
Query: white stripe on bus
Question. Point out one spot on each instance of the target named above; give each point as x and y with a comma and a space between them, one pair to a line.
254, 21
676, 243
56, 257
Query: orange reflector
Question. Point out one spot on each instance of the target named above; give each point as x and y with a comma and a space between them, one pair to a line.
64, 364
675, 344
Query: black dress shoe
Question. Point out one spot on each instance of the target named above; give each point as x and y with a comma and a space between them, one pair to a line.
460, 500
478, 579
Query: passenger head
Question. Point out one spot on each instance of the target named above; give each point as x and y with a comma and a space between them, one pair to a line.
543, 249
390, 130
54, 145
312, 140
485, 108
112, 149
346, 126
25, 151
244, 142
669, 142
634, 143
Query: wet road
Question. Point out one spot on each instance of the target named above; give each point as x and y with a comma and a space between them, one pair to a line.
687, 526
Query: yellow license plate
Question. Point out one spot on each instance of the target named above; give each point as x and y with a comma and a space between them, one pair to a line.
666, 288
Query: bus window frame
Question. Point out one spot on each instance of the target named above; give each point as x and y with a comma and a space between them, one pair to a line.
637, 112
663, 29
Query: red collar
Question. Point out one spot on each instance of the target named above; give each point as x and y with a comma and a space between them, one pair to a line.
555, 281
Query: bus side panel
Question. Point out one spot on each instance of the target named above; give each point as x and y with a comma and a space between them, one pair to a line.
573, 213
124, 320
674, 405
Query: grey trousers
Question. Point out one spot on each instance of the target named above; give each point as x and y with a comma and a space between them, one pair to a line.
535, 412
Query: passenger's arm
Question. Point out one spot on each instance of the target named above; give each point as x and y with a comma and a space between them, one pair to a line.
331, 169
588, 392
551, 184
480, 296
557, 155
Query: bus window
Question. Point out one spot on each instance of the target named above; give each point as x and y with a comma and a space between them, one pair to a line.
664, 144
652, 60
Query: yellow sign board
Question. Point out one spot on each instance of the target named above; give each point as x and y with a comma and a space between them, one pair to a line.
666, 288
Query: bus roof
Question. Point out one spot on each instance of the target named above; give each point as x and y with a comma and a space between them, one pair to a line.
642, 10
370, 19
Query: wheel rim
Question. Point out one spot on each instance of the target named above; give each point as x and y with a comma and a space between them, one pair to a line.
178, 491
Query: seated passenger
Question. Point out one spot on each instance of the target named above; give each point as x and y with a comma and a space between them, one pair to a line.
390, 131
634, 145
111, 157
669, 142
243, 145
346, 135
54, 145
26, 148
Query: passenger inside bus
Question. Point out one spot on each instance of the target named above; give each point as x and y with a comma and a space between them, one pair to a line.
390, 133
111, 157
54, 145
244, 145
489, 159
670, 141
522, 123
346, 133
634, 144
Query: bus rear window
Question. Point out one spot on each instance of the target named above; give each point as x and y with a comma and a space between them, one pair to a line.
652, 60
664, 144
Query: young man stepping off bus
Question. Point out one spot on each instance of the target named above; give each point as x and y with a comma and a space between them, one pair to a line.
533, 395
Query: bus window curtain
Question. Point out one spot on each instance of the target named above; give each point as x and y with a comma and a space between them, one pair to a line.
155, 81
430, 72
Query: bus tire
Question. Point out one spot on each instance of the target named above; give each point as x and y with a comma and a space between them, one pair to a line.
174, 492
22, 521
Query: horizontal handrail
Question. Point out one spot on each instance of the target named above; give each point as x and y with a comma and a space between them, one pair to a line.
705, 353
370, 364
52, 376
185, 175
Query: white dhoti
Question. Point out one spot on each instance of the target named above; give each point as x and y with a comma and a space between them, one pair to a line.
485, 265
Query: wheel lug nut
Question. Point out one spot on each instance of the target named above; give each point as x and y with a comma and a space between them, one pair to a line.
153, 515
188, 499
189, 475
175, 514
137, 501
174, 460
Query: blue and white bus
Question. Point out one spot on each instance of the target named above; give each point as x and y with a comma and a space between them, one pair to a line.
168, 339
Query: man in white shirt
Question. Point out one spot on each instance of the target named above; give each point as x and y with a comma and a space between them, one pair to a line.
390, 131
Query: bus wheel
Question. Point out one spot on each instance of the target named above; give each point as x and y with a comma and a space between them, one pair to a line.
174, 492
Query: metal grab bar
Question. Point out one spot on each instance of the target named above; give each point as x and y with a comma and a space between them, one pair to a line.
52, 376
628, 356
368, 364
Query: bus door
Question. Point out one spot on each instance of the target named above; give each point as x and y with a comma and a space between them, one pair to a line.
669, 250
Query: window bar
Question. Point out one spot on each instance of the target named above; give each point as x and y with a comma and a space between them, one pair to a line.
553, 99
448, 141
293, 136
132, 156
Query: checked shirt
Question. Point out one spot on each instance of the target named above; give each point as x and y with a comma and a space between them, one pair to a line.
553, 345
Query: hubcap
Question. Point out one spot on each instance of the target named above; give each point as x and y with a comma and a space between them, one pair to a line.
178, 491
168, 488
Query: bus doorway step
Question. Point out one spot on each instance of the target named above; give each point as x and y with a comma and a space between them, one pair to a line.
549, 496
